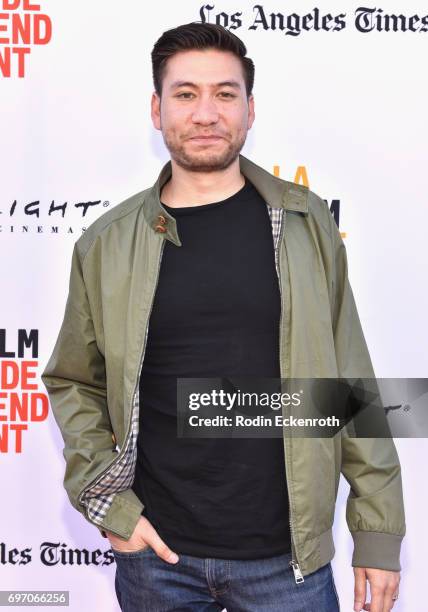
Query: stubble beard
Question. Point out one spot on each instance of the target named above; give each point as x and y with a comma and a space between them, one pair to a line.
204, 161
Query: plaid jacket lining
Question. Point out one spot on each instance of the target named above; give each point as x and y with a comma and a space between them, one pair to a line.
120, 476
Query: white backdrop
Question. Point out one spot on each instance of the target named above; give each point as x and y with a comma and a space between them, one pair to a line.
349, 107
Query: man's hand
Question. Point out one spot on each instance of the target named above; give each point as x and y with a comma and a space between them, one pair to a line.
383, 586
144, 535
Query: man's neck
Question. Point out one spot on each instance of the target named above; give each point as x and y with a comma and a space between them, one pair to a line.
186, 188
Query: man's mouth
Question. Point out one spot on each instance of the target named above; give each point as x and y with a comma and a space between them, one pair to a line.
206, 138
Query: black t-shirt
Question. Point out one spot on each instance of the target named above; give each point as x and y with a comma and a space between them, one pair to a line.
215, 313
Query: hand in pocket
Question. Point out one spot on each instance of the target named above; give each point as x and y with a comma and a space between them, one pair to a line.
144, 536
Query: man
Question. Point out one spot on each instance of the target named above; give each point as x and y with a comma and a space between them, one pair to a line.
219, 269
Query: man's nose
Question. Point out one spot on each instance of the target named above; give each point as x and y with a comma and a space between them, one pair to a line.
205, 111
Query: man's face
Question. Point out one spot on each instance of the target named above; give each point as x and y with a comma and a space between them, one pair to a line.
204, 113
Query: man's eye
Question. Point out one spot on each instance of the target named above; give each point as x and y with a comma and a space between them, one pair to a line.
186, 95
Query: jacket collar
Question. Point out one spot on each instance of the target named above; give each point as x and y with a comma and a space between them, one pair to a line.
277, 193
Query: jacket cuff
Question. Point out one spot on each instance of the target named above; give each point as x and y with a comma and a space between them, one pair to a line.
123, 515
102, 532
376, 549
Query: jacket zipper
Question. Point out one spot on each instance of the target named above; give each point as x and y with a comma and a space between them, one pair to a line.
298, 576
99, 476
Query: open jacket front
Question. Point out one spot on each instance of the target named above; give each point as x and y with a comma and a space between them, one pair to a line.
93, 373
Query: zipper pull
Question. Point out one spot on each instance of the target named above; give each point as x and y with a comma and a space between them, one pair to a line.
298, 576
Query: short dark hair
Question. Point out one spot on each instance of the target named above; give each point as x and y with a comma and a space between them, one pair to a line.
197, 35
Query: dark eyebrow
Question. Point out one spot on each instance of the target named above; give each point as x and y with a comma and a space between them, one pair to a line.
233, 84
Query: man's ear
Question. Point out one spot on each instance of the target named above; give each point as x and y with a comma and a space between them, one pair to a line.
251, 111
155, 110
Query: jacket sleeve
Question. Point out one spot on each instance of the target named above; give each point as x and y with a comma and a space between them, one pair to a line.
375, 505
75, 379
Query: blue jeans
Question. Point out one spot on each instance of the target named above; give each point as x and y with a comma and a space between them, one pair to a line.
146, 583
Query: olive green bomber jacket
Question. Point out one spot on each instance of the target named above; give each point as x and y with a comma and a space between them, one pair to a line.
93, 372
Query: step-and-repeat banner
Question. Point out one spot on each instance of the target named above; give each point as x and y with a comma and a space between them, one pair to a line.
341, 106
